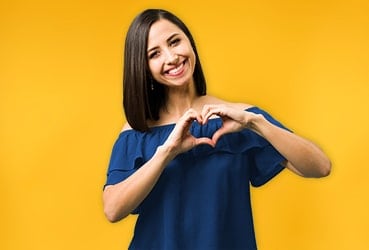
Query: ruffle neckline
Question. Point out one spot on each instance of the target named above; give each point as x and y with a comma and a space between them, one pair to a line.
139, 147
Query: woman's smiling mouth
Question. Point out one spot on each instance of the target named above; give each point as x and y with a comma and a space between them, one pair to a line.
177, 70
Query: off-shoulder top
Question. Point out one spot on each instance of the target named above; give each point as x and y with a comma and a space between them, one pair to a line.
202, 198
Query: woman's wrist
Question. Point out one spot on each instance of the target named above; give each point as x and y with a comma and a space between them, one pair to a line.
166, 152
257, 123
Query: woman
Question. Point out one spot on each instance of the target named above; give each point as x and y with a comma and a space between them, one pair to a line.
185, 159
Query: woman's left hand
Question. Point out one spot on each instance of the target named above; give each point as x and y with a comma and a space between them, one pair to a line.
234, 119
302, 156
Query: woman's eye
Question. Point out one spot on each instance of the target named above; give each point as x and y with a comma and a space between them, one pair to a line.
175, 42
153, 54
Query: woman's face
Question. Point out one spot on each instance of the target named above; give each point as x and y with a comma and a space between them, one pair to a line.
170, 55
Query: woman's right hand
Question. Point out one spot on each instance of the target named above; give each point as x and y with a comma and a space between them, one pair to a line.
122, 198
180, 139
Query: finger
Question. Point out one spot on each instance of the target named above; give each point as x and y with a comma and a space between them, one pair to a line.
208, 111
205, 112
189, 116
219, 133
183, 123
199, 118
193, 115
204, 140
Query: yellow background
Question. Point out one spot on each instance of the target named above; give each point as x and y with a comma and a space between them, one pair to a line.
307, 62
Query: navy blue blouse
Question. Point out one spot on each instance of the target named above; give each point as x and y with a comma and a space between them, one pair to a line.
202, 198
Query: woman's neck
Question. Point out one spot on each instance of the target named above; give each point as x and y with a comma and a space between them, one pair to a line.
179, 101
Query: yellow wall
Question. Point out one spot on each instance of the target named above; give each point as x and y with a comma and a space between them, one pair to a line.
307, 62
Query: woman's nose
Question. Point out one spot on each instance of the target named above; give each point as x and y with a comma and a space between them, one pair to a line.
171, 58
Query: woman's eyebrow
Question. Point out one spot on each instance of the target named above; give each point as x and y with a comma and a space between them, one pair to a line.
171, 37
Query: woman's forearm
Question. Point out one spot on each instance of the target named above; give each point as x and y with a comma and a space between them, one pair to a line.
303, 156
122, 198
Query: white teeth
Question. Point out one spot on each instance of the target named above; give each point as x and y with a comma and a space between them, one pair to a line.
175, 70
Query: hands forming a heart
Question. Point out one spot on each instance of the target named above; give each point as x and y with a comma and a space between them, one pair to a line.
181, 140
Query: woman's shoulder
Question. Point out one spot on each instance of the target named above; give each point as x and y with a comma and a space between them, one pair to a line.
126, 127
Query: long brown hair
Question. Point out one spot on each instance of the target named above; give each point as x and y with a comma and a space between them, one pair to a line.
140, 102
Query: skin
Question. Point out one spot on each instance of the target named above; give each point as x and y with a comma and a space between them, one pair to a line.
171, 62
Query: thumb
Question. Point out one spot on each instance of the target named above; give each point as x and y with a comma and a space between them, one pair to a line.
205, 140
219, 133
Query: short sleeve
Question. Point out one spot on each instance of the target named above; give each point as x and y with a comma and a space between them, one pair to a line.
267, 160
125, 159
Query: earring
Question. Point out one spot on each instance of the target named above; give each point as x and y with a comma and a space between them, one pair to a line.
151, 84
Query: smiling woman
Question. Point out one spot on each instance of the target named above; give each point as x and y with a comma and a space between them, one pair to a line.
171, 57
185, 160
139, 54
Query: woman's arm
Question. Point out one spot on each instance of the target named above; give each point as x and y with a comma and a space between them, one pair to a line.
122, 198
303, 157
